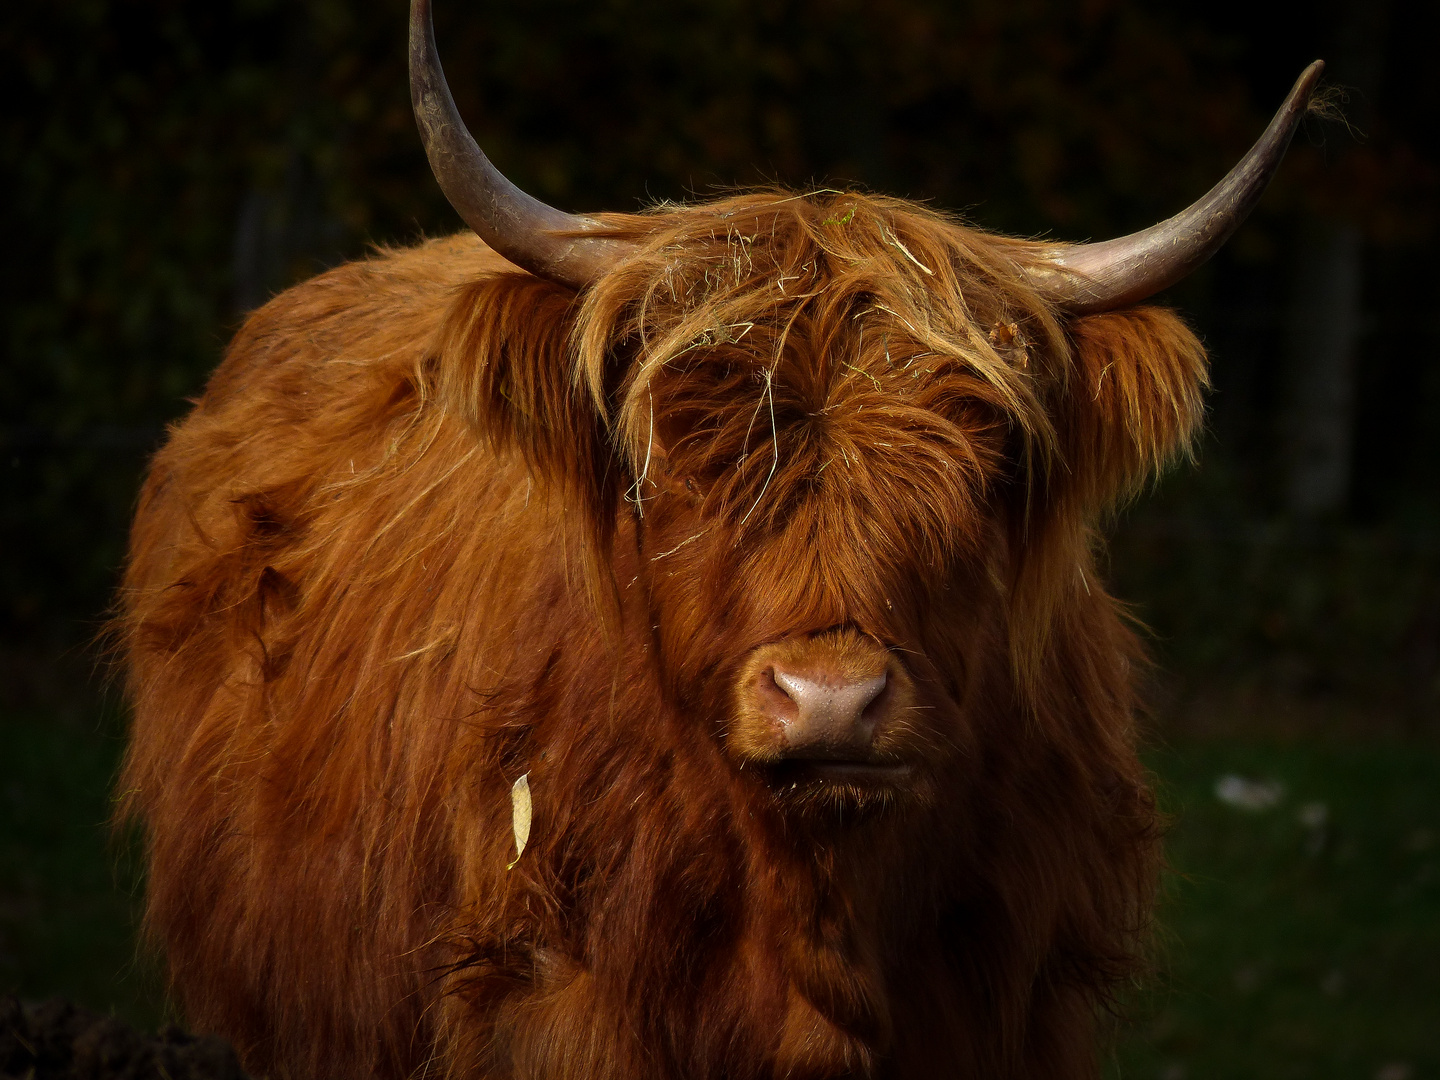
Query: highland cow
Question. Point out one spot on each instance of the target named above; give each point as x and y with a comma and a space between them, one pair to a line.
757, 536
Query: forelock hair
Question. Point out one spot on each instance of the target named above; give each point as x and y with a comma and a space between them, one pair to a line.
723, 308
735, 279
842, 367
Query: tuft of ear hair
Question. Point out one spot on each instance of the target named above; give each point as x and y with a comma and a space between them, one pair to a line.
504, 367
1129, 403
1134, 401
503, 363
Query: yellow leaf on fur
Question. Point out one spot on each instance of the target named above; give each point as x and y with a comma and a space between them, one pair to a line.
520, 811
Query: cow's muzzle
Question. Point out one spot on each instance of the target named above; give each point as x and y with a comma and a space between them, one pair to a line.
829, 706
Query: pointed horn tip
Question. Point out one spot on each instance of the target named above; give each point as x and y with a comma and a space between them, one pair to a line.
1112, 273
1304, 86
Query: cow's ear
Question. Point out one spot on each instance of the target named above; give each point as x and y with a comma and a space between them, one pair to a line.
505, 366
1131, 403
1127, 403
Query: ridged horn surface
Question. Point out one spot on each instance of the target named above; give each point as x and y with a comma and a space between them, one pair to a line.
525, 230
1113, 273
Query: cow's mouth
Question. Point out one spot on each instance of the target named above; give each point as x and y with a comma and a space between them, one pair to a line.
839, 792
795, 771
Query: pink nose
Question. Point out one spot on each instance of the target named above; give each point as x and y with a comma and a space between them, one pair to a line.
826, 718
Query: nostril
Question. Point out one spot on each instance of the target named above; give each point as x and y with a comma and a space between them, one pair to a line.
774, 698
832, 716
876, 702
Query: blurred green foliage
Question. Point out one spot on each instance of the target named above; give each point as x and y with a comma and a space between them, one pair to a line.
1301, 940
69, 889
1263, 624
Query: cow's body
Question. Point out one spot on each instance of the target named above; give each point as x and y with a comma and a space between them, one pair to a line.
396, 558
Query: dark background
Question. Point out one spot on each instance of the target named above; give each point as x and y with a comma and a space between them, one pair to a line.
168, 166
171, 165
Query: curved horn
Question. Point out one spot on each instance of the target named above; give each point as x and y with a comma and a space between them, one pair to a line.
1112, 273
529, 233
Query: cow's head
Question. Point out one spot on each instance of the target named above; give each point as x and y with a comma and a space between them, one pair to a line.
862, 444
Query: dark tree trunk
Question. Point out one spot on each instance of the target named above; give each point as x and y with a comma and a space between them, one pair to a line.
1326, 317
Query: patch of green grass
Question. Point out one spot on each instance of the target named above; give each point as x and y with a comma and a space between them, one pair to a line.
1302, 940
69, 892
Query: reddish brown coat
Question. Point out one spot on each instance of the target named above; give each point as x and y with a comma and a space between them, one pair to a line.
436, 524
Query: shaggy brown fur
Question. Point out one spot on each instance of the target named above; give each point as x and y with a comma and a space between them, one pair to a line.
437, 524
